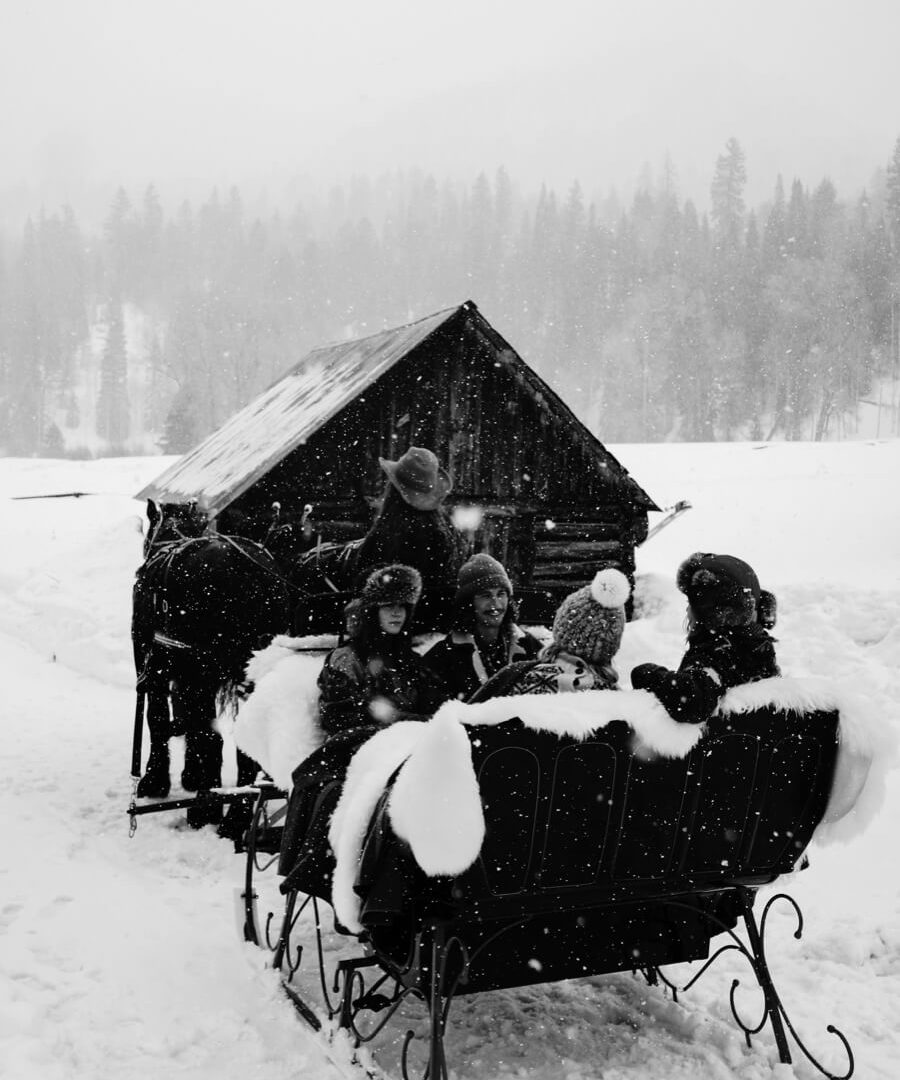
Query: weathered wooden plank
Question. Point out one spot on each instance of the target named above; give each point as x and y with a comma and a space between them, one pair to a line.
572, 551
581, 532
546, 573
572, 513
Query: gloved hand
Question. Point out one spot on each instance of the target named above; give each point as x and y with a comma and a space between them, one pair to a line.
646, 676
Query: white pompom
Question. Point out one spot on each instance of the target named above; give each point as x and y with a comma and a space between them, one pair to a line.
610, 588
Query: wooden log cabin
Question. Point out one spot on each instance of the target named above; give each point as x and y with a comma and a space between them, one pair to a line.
555, 505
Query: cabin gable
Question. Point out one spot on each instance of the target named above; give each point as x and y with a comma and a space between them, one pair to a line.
554, 504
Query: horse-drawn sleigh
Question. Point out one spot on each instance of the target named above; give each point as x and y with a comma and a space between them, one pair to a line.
579, 839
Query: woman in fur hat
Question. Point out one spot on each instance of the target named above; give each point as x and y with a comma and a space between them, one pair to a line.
484, 637
376, 678
587, 632
371, 681
412, 526
728, 619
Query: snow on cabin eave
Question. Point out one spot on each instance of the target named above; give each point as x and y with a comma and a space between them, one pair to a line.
230, 460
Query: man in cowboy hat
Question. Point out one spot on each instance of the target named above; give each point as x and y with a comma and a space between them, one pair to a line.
412, 526
419, 478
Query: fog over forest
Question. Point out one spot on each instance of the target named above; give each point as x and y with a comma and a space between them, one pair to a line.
652, 320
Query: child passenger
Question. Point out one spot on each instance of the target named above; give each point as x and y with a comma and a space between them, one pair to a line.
728, 644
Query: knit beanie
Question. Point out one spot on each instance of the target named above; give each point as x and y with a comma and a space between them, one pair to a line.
478, 574
394, 584
724, 591
590, 622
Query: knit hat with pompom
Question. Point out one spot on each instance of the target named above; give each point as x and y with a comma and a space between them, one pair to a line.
591, 621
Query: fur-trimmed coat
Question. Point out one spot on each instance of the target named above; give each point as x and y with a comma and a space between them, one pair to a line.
358, 691
461, 667
716, 659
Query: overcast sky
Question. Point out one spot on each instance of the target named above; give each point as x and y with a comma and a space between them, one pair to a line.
191, 93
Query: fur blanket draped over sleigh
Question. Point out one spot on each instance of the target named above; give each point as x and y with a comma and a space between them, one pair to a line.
435, 803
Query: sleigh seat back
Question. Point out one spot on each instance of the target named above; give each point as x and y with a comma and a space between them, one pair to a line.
598, 857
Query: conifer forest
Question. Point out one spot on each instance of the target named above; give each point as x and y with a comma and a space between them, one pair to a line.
655, 320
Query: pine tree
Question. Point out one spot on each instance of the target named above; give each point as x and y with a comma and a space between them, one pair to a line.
24, 423
727, 192
479, 238
728, 223
52, 445
120, 231
797, 221
893, 196
150, 245
775, 234
181, 431
112, 400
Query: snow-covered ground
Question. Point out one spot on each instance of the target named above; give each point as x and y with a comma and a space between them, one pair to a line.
121, 957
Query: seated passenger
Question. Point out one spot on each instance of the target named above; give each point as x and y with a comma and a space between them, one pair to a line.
376, 678
485, 637
728, 644
587, 632
366, 684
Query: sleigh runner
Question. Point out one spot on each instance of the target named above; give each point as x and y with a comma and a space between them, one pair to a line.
598, 855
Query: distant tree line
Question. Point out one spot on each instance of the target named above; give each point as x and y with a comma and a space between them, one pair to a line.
652, 320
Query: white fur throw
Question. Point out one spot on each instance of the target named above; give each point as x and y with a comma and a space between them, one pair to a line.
435, 804
278, 724
438, 774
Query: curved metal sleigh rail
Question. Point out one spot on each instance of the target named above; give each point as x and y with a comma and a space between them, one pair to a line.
773, 1007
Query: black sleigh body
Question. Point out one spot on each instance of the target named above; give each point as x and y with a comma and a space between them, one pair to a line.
598, 856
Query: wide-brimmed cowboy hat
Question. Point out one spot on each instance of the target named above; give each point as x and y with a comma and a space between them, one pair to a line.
419, 478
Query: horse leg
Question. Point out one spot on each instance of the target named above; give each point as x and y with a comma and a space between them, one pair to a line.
239, 814
202, 749
155, 783
194, 712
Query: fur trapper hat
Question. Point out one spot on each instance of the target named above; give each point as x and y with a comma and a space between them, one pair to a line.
478, 574
724, 591
590, 622
394, 584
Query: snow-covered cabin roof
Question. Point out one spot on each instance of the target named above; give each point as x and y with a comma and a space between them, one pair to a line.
262, 434
256, 438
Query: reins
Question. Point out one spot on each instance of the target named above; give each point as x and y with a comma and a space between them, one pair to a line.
169, 548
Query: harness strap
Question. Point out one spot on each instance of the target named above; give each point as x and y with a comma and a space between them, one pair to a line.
257, 562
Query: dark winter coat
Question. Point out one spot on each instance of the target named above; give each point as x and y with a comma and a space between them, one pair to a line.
353, 677
462, 667
716, 660
389, 672
563, 674
426, 540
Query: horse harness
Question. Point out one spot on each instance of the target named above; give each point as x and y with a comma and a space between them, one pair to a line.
160, 563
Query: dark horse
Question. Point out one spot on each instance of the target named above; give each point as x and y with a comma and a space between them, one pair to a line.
201, 606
